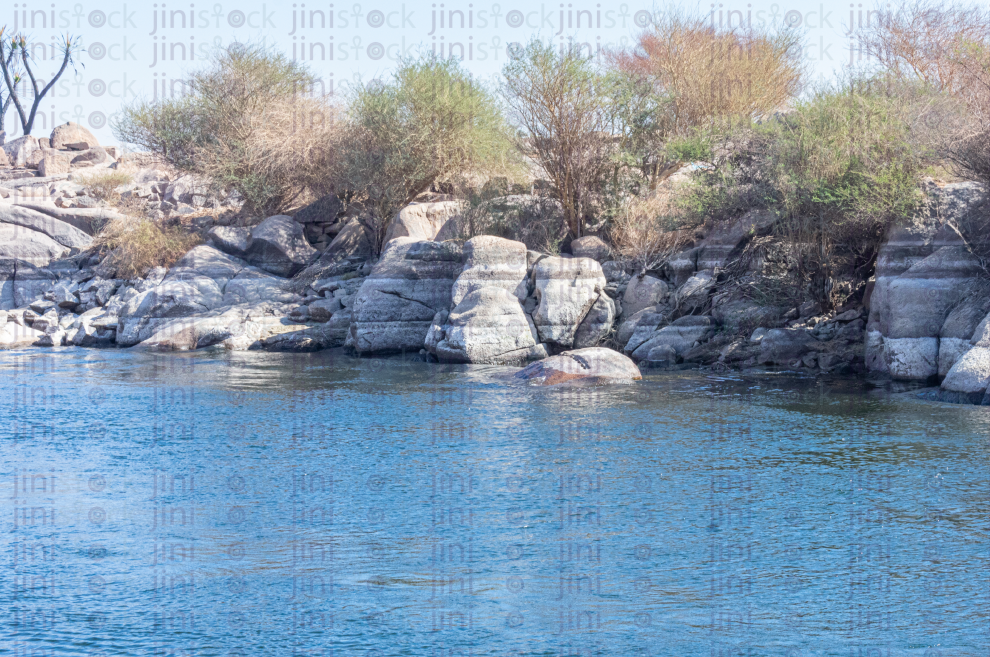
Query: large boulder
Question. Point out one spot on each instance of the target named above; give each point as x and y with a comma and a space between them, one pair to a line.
279, 246
593, 366
727, 239
492, 262
72, 133
970, 375
694, 293
597, 324
186, 189
643, 291
489, 326
924, 272
394, 308
21, 152
54, 163
61, 232
639, 328
422, 221
231, 239
88, 220
15, 336
25, 245
566, 289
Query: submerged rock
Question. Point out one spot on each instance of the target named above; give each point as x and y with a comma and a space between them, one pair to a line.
593, 366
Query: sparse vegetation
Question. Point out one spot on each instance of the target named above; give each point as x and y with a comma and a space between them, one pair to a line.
136, 245
247, 125
103, 184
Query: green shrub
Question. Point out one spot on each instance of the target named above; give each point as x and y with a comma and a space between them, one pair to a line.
431, 122
837, 171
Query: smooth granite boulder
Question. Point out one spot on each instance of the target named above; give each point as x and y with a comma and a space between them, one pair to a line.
566, 289
488, 326
278, 246
394, 308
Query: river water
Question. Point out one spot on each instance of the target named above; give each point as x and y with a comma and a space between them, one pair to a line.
263, 504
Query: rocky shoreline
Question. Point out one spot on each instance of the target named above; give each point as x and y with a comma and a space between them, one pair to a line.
308, 282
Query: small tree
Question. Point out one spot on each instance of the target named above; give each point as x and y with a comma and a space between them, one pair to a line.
686, 76
431, 122
562, 102
15, 61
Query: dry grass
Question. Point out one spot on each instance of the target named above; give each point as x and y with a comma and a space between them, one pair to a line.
137, 245
103, 184
648, 231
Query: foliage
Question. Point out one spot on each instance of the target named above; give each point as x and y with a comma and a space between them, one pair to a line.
685, 78
137, 245
837, 171
430, 123
560, 99
15, 63
103, 185
246, 123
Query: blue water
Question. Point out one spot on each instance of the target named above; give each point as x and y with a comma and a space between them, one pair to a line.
261, 504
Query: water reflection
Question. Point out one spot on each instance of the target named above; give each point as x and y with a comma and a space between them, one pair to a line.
219, 504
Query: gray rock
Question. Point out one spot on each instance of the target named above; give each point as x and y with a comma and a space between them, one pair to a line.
315, 338
94, 155
661, 357
21, 151
488, 326
231, 239
597, 324
71, 133
694, 293
642, 324
395, 305
182, 190
971, 373
593, 366
783, 346
422, 221
322, 310
566, 289
643, 291
911, 358
16, 336
492, 262
679, 337
279, 246
590, 247
59, 231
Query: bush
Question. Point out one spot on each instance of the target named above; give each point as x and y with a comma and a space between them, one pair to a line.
947, 49
648, 231
685, 77
137, 245
837, 172
103, 185
245, 124
430, 123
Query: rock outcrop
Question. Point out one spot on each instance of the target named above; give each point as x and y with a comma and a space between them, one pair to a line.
394, 308
925, 270
489, 326
422, 221
565, 289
